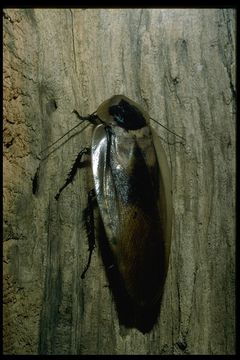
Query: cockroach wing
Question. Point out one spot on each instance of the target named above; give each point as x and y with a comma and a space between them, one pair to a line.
128, 183
165, 195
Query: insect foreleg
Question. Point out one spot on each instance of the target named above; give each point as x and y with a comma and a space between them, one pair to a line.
88, 217
73, 171
91, 118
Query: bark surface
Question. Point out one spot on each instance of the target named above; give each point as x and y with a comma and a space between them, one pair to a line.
180, 66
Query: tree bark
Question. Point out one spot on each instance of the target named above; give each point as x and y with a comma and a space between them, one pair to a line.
180, 66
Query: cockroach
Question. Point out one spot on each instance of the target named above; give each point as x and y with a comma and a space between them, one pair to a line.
132, 187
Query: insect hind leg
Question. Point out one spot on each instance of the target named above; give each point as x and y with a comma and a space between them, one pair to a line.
73, 171
88, 217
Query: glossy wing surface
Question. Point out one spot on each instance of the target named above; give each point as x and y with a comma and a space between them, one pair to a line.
127, 184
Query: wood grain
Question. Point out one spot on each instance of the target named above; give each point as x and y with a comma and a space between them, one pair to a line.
179, 64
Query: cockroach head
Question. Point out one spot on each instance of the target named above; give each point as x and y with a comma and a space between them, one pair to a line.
123, 112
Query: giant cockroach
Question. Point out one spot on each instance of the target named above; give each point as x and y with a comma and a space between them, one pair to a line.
132, 186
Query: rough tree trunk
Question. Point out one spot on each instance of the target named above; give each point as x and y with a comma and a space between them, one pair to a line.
179, 65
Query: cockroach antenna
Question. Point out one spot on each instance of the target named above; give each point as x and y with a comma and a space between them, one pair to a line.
172, 132
35, 183
83, 118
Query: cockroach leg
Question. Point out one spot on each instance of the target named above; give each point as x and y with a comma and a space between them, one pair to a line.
88, 217
73, 171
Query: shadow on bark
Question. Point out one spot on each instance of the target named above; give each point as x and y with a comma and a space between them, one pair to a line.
130, 314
